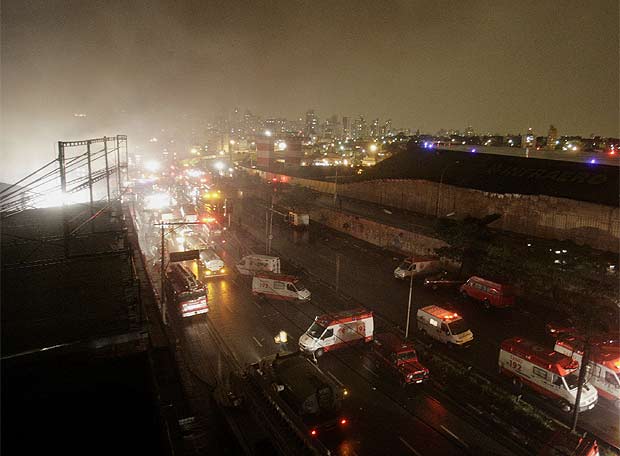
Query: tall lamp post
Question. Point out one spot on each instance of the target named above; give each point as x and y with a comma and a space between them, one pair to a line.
409, 305
231, 143
439, 187
162, 272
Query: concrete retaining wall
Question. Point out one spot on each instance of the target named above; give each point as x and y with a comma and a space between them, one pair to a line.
388, 237
536, 215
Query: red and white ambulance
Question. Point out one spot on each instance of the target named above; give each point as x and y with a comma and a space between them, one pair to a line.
279, 286
604, 364
338, 330
545, 371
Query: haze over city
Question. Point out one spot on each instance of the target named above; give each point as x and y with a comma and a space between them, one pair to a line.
140, 66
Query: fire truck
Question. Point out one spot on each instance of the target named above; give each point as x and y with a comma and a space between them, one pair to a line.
604, 363
545, 371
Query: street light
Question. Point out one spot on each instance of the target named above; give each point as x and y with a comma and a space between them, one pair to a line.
409, 305
439, 187
163, 266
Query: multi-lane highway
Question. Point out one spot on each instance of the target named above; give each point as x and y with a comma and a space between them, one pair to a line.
383, 416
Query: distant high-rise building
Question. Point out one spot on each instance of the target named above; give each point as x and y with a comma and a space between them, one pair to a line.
530, 138
346, 127
312, 123
330, 129
469, 131
359, 128
374, 128
552, 137
265, 155
386, 129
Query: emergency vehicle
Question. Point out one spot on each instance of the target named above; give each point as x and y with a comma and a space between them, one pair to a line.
417, 266
279, 286
444, 325
251, 264
545, 371
400, 358
604, 364
333, 331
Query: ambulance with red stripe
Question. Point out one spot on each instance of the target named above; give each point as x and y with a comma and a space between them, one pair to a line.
545, 371
604, 363
332, 331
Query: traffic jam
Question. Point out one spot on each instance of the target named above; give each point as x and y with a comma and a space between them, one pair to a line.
185, 219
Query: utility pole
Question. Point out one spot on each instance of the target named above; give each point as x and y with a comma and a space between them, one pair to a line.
162, 274
409, 305
63, 189
337, 272
118, 164
583, 368
270, 237
107, 167
336, 188
266, 232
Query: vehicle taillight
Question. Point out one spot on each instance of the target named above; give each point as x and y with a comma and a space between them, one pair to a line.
313, 432
343, 421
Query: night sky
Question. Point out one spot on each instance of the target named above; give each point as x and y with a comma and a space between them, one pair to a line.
134, 67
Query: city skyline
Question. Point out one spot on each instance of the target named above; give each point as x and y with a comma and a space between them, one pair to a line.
500, 67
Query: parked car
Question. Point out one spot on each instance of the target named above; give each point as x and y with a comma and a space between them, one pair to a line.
400, 358
490, 294
443, 279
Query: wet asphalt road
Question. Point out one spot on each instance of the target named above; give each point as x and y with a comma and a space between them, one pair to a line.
366, 275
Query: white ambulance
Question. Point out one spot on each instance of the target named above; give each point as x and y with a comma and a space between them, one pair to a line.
604, 364
333, 331
444, 325
545, 371
279, 286
417, 266
251, 264
214, 266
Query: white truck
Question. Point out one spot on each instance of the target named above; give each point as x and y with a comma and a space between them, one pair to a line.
298, 220
251, 264
332, 331
279, 286
417, 266
444, 325
545, 371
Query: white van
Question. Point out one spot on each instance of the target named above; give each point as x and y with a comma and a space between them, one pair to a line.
279, 286
252, 264
444, 325
333, 331
417, 266
212, 262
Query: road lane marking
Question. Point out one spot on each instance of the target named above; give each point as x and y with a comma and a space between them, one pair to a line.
334, 377
370, 371
257, 341
454, 435
413, 450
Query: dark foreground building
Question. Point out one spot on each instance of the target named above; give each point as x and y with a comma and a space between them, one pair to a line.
86, 364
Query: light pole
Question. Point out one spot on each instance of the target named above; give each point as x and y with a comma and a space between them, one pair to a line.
336, 187
231, 143
162, 272
439, 187
270, 229
409, 305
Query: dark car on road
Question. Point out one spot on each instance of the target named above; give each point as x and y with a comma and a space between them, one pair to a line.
560, 328
400, 358
443, 279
